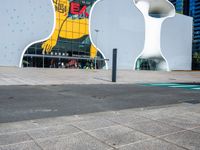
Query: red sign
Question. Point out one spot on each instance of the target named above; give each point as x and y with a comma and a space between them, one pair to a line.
76, 9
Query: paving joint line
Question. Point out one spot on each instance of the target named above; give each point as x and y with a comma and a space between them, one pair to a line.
139, 141
87, 132
96, 128
165, 123
23, 142
37, 128
153, 136
35, 141
183, 130
57, 136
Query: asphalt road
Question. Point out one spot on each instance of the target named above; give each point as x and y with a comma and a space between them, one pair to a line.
19, 103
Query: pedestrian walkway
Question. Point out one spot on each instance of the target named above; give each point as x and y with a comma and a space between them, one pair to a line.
175, 85
49, 76
173, 127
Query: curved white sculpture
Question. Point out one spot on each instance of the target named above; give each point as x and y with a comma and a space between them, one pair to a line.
140, 29
154, 12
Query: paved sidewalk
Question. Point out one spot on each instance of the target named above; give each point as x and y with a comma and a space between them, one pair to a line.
39, 76
174, 127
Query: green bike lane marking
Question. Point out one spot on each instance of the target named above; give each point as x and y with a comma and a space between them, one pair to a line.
161, 84
175, 85
184, 86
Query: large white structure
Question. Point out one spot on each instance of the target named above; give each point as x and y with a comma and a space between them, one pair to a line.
145, 32
21, 25
155, 13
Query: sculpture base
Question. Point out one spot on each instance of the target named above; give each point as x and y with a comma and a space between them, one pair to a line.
157, 64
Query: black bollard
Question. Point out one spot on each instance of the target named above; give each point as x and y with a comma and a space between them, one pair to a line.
114, 65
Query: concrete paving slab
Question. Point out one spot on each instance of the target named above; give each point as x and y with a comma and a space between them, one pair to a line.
193, 116
118, 135
153, 128
30, 145
188, 139
153, 144
98, 115
100, 133
12, 138
17, 126
52, 131
187, 108
40, 76
162, 113
93, 124
184, 123
196, 129
80, 141
124, 119
54, 121
195, 108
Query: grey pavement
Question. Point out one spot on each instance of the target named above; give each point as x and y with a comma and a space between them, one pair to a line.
39, 76
57, 109
125, 129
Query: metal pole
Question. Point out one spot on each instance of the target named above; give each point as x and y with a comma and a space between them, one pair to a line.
114, 65
95, 61
43, 59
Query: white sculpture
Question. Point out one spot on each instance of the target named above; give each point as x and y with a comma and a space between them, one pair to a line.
148, 34
139, 29
154, 12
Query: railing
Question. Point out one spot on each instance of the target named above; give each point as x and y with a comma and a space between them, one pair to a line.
63, 57
58, 57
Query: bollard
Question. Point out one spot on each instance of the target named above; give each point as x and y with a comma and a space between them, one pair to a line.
114, 65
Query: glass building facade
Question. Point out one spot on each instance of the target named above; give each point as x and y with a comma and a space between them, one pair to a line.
192, 8
69, 46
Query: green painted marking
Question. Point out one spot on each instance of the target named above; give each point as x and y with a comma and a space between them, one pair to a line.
175, 85
184, 86
163, 84
196, 88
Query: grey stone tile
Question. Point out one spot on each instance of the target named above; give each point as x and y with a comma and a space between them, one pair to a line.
17, 126
53, 131
122, 119
195, 117
194, 108
118, 135
57, 121
188, 139
162, 113
93, 124
181, 122
196, 130
130, 112
153, 128
98, 115
153, 144
80, 141
21, 146
14, 138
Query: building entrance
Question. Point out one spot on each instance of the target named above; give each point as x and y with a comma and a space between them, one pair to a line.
151, 64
